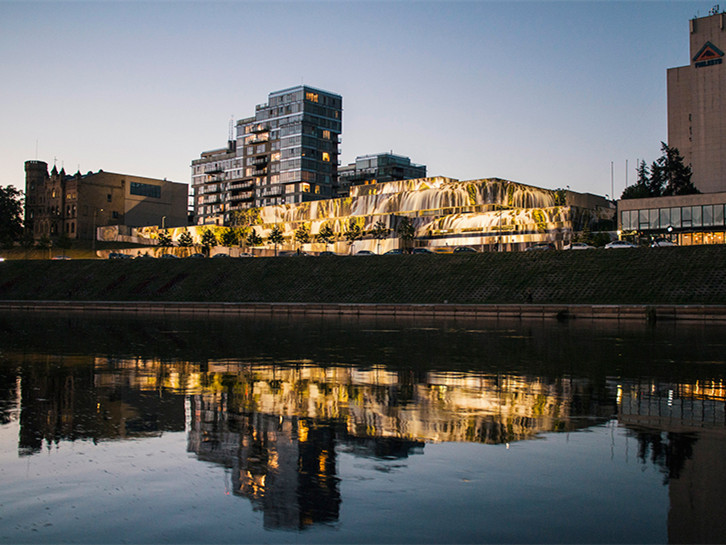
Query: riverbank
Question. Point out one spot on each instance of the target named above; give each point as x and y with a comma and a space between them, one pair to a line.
642, 277
648, 313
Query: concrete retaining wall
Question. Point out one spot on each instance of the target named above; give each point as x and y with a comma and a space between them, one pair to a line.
708, 313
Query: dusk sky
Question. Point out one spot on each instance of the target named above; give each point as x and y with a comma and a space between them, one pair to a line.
543, 93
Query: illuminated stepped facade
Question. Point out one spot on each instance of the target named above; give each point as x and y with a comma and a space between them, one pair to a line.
445, 213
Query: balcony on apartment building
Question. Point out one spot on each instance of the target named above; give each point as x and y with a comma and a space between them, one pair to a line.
246, 184
271, 191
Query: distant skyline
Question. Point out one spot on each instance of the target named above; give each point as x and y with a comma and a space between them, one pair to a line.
543, 93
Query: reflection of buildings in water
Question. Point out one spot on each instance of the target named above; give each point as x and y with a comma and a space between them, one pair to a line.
68, 398
681, 428
277, 427
285, 465
437, 406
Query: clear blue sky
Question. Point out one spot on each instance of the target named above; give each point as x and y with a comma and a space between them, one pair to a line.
543, 93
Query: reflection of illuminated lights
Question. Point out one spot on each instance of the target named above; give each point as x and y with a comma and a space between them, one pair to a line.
619, 396
302, 432
670, 398
273, 460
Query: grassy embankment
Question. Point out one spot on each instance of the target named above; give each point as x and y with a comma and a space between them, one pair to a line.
690, 275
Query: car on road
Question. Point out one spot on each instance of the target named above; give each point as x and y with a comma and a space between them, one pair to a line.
662, 243
326, 253
245, 254
220, 256
616, 244
170, 256
422, 251
464, 250
395, 251
198, 256
61, 258
540, 247
578, 246
364, 252
119, 255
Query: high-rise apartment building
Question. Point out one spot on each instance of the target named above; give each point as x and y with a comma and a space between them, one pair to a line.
379, 168
286, 153
697, 104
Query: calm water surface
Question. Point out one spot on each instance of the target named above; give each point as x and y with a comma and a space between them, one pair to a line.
351, 431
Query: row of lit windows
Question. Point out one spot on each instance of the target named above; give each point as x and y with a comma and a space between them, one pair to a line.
691, 239
709, 215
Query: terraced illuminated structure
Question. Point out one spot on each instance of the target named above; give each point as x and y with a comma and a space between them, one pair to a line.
445, 213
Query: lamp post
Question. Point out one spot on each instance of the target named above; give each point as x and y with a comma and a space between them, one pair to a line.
93, 237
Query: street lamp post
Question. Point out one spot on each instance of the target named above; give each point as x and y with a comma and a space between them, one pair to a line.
93, 237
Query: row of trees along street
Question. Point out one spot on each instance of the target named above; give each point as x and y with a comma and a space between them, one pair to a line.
246, 236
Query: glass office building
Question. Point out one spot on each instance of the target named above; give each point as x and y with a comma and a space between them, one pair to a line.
685, 219
287, 153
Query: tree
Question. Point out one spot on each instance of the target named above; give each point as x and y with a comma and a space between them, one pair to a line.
208, 240
64, 242
165, 239
302, 235
641, 188
27, 241
186, 240
44, 243
677, 176
352, 233
326, 235
380, 231
230, 237
253, 239
406, 232
11, 215
275, 237
667, 176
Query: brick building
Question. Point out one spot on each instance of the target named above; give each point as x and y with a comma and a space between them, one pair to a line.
75, 204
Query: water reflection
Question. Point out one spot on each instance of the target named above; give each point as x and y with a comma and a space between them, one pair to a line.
277, 402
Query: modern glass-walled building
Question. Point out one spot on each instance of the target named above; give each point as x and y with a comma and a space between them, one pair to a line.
683, 219
287, 153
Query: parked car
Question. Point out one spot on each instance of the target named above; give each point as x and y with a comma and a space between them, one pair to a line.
220, 256
245, 254
578, 246
395, 251
364, 252
327, 253
422, 251
169, 256
662, 243
61, 258
464, 250
119, 255
539, 247
196, 256
619, 244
